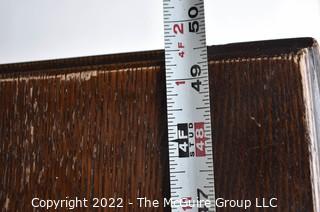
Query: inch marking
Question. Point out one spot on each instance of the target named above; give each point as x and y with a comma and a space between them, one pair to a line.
178, 21
204, 77
177, 172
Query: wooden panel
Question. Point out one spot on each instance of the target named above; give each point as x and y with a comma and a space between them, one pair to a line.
96, 127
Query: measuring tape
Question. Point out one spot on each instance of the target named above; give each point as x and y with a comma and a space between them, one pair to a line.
188, 106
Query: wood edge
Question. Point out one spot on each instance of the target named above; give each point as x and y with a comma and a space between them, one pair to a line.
268, 48
309, 61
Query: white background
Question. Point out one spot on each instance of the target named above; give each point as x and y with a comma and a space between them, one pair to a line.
46, 29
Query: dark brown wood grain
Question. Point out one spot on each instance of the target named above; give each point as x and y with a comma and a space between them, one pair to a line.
96, 127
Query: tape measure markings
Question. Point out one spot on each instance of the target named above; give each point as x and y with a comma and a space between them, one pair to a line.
188, 103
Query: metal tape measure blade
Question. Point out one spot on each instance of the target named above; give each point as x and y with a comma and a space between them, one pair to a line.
188, 105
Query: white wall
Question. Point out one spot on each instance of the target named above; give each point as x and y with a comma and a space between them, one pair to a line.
45, 29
